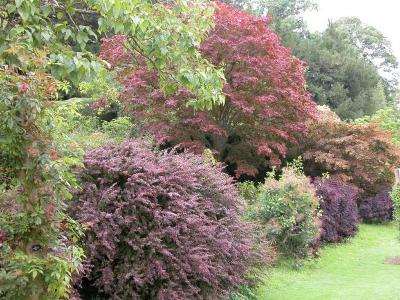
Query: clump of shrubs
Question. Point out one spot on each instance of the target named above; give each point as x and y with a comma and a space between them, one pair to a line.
162, 225
378, 208
288, 210
361, 155
338, 202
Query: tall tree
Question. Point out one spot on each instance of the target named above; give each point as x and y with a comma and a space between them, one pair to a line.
351, 65
339, 77
373, 47
266, 101
287, 16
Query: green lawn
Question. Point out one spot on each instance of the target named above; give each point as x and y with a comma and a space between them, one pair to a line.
354, 270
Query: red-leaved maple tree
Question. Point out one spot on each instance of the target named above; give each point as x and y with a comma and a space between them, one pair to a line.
266, 102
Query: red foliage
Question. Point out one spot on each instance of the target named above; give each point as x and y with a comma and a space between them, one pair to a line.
362, 155
116, 53
162, 226
266, 102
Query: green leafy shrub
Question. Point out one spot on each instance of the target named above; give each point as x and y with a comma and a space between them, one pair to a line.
249, 191
38, 249
80, 132
120, 128
395, 195
288, 209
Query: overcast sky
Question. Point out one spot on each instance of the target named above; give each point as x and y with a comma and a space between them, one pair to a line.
382, 14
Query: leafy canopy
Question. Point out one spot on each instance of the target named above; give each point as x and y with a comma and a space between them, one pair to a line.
167, 35
351, 65
266, 102
362, 155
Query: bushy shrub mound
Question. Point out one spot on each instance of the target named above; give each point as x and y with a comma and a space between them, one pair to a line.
377, 209
362, 155
161, 225
339, 209
288, 209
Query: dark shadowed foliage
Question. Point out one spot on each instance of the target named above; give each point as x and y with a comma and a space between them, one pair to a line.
377, 209
162, 225
339, 209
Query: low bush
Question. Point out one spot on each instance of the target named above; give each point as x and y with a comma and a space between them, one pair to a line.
162, 225
339, 209
288, 209
249, 191
378, 208
395, 196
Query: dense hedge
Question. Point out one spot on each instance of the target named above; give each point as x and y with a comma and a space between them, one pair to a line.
339, 209
377, 209
161, 225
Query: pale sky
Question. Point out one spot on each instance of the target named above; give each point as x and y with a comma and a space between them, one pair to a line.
382, 14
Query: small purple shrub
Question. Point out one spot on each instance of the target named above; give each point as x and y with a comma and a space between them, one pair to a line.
161, 225
338, 202
377, 209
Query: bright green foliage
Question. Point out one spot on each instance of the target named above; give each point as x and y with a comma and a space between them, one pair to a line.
55, 26
288, 209
75, 132
168, 37
208, 157
118, 129
103, 86
249, 191
38, 241
395, 195
388, 119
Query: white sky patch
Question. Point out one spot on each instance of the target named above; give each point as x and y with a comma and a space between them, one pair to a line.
383, 15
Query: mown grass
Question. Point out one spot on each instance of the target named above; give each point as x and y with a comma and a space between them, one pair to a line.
354, 270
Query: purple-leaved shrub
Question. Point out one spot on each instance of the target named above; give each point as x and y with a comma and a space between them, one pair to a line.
162, 225
378, 208
339, 209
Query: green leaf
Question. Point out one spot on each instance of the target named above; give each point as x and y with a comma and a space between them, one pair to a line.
18, 3
10, 123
